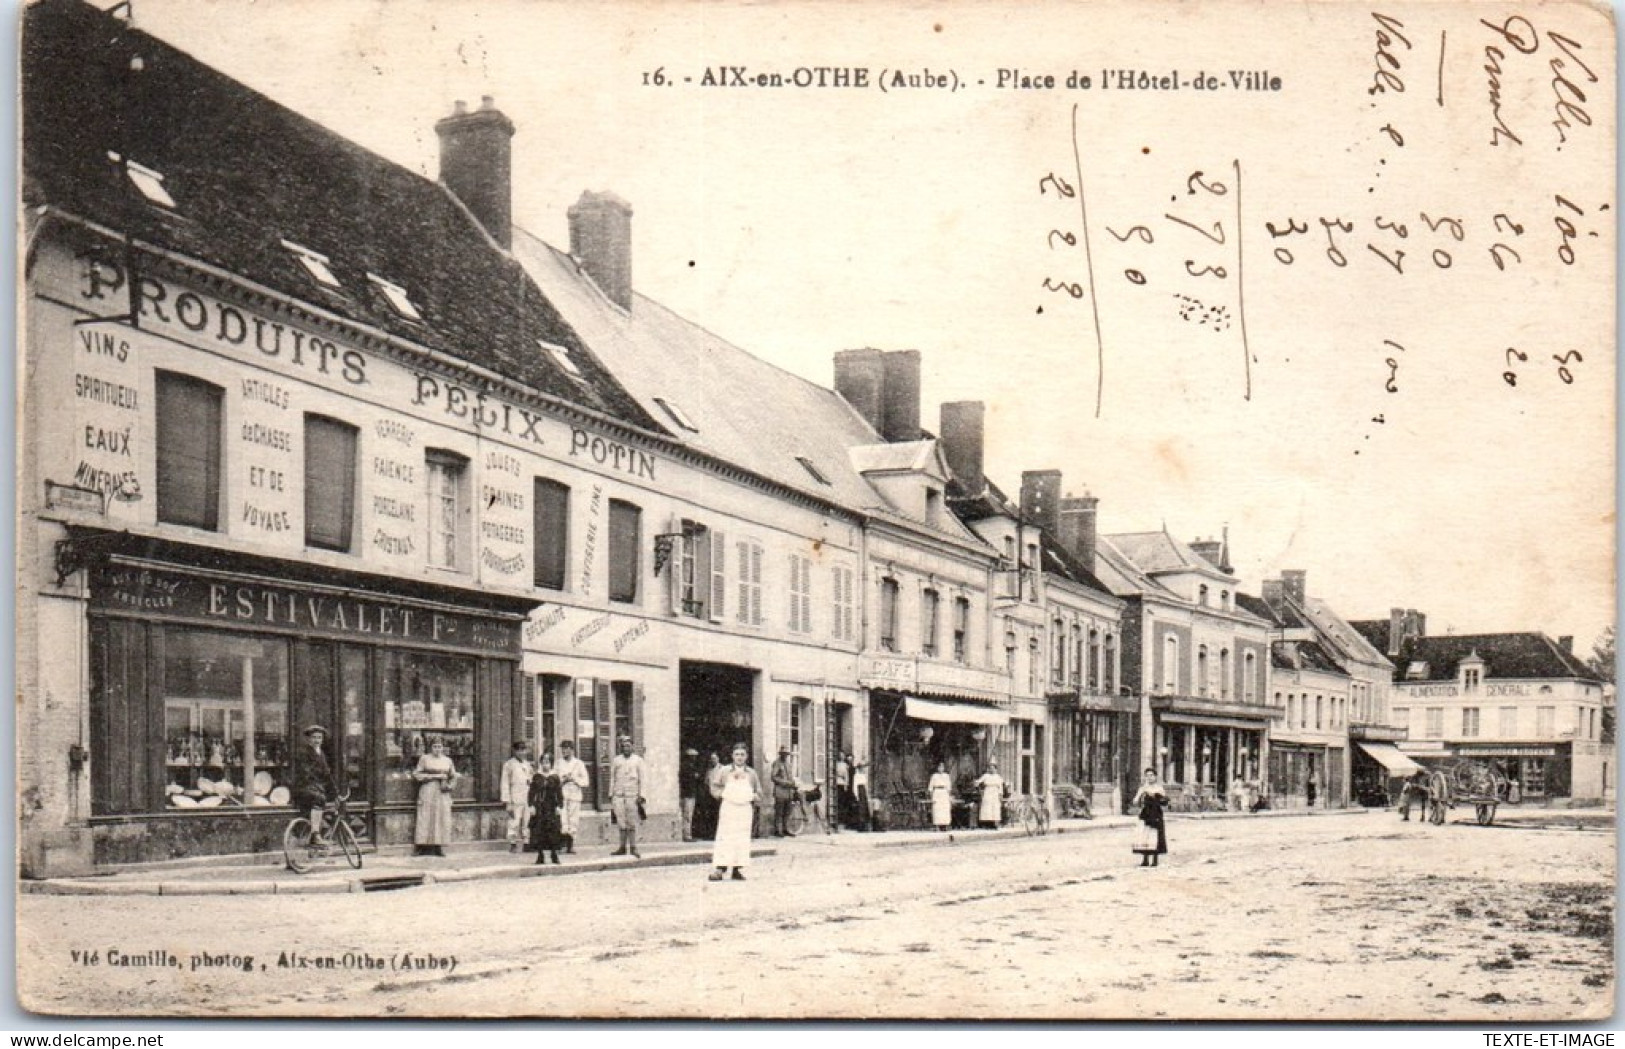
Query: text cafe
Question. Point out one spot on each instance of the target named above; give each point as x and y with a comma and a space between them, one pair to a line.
202, 678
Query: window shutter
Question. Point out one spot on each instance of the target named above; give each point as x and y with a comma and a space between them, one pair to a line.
550, 532
637, 719
719, 575
674, 567
742, 613
756, 586
820, 745
784, 724
806, 594
329, 483
604, 709
188, 418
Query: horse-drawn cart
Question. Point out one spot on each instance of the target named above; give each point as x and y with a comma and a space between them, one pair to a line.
1472, 783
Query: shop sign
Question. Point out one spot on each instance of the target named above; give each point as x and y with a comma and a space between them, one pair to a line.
888, 673
1506, 752
310, 611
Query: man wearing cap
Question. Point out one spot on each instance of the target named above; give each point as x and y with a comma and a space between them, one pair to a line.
784, 792
625, 792
688, 783
516, 774
313, 778
574, 780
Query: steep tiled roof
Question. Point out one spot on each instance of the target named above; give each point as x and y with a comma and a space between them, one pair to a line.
1374, 631
1120, 575
899, 457
1156, 552
1520, 655
1258, 607
744, 411
1303, 655
1060, 561
246, 174
1341, 637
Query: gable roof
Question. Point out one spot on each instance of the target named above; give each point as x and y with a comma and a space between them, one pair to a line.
1518, 655
1120, 575
901, 457
1340, 636
247, 174
1258, 607
1303, 655
745, 411
1060, 561
1154, 552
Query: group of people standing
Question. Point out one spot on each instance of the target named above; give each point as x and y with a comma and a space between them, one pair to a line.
543, 799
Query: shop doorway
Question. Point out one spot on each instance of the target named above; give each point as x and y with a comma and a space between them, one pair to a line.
714, 709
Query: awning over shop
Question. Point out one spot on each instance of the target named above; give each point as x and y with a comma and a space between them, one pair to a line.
1213, 722
1389, 757
954, 713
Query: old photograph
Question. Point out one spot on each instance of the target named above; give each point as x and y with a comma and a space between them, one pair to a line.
813, 510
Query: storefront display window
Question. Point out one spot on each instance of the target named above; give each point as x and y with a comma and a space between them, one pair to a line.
425, 698
225, 720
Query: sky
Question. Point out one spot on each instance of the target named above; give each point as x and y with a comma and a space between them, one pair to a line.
1166, 337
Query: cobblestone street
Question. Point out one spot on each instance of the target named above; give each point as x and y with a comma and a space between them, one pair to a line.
1351, 917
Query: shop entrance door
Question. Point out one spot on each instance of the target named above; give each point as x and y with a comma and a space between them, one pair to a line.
714, 710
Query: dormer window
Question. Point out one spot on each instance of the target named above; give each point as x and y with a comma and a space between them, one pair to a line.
1201, 595
812, 470
561, 357
933, 505
677, 414
1417, 671
145, 179
316, 264
398, 299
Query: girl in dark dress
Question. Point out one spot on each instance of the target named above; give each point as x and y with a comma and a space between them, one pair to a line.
546, 801
1150, 839
705, 803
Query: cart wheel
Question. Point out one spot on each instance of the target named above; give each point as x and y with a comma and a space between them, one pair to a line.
1437, 815
1486, 815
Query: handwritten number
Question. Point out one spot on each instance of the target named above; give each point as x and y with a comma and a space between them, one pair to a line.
1510, 227
1217, 271
1397, 260
1456, 230
1571, 357
1134, 276
1073, 289
1134, 231
1495, 253
1217, 236
1059, 183
1218, 189
1070, 239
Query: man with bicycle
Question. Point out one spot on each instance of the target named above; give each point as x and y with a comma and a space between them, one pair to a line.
313, 784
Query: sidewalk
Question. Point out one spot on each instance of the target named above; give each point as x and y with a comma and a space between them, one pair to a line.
394, 867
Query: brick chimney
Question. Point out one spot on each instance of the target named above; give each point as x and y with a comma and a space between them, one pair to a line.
476, 165
860, 378
1396, 630
1209, 550
601, 237
961, 434
1079, 514
1274, 591
1041, 499
1295, 581
1566, 643
900, 398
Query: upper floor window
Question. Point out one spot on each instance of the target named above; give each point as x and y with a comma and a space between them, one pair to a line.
1078, 660
188, 424
148, 181
700, 581
1108, 662
1201, 595
1469, 679
930, 605
1545, 721
842, 589
1435, 722
625, 532
396, 296
551, 533
961, 628
1204, 683
1509, 723
1469, 721
1010, 652
1034, 657
1057, 660
315, 263
800, 594
1249, 677
888, 614
748, 570
1170, 663
1224, 673
448, 507
330, 458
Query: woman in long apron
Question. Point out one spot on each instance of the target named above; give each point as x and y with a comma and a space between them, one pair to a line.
737, 791
436, 776
1150, 839
941, 788
991, 812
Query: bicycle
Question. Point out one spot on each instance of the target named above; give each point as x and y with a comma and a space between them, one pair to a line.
806, 810
1030, 812
302, 850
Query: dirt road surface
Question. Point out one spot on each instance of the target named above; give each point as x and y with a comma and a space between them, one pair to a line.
1357, 917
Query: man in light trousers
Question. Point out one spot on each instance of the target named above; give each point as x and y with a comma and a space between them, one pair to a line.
573, 778
516, 774
626, 795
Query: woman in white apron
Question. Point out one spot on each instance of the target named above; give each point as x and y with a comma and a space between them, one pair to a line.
941, 788
737, 791
991, 811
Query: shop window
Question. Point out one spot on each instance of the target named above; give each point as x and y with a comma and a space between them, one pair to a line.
800, 594
355, 738
748, 569
426, 698
930, 605
961, 628
1545, 721
843, 585
225, 700
330, 457
1469, 721
550, 532
625, 528
188, 421
448, 507
888, 614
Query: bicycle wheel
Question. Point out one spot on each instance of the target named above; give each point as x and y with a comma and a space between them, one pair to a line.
796, 821
1029, 819
296, 845
344, 838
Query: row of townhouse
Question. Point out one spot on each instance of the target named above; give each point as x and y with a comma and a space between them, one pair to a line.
311, 439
